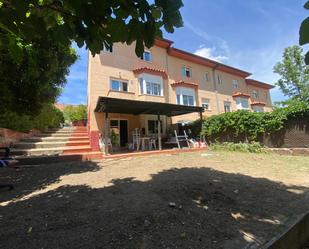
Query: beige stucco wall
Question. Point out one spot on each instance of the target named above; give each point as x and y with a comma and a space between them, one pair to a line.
120, 64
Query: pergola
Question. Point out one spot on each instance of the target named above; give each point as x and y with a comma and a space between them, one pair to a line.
114, 105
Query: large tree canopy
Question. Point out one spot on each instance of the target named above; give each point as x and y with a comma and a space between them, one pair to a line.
36, 79
294, 80
304, 32
92, 22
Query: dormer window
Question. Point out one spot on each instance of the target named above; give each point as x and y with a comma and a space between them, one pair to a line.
186, 72
185, 96
147, 56
254, 94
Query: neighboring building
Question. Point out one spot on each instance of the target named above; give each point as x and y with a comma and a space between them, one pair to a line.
164, 74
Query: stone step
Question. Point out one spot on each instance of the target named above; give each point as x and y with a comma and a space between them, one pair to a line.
50, 144
79, 134
54, 139
51, 151
44, 159
65, 131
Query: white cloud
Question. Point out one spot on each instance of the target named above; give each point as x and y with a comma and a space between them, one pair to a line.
220, 43
209, 53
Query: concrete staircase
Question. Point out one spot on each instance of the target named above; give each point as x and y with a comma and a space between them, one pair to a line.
66, 143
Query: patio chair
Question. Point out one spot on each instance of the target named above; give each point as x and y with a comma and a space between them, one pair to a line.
152, 143
136, 139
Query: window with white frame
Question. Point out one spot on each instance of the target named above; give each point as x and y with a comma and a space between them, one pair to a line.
147, 56
206, 104
227, 106
254, 94
257, 108
152, 126
119, 85
207, 76
242, 103
185, 96
107, 49
151, 85
153, 88
186, 72
235, 84
219, 78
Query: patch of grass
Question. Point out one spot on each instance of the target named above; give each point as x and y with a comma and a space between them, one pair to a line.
241, 147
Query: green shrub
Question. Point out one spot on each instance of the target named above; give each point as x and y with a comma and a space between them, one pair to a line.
241, 147
246, 126
49, 117
75, 113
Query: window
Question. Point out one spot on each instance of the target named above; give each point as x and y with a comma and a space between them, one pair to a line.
186, 72
235, 84
227, 106
107, 49
242, 103
257, 108
206, 76
153, 88
254, 94
220, 81
147, 56
153, 126
151, 85
205, 104
119, 85
188, 100
185, 96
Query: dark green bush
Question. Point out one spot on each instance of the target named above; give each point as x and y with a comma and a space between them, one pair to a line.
246, 126
49, 117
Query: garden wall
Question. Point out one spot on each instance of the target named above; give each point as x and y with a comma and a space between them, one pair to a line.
8, 136
295, 134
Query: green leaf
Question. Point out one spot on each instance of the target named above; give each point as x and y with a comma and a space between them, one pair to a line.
304, 32
307, 58
306, 6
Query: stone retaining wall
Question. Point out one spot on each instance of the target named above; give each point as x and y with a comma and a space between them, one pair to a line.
8, 136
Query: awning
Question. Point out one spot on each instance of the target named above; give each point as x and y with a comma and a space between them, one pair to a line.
136, 107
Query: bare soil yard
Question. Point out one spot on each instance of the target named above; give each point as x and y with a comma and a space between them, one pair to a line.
192, 200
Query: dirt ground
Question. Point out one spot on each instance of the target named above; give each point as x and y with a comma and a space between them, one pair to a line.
191, 200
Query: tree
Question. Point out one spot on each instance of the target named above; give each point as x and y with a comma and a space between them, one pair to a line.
27, 85
96, 23
294, 81
304, 33
75, 113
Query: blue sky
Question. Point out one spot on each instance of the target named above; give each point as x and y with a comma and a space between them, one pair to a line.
248, 34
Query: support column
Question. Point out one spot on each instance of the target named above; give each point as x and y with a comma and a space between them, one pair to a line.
159, 133
106, 134
201, 119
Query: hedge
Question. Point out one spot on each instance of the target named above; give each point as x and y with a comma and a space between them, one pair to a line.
49, 117
247, 126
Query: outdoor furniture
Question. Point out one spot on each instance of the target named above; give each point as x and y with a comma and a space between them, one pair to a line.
136, 135
182, 138
105, 142
152, 143
145, 141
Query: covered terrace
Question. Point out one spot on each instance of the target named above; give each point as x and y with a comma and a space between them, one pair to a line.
125, 106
